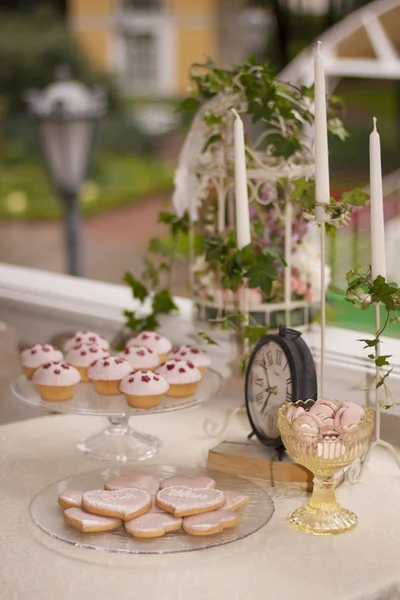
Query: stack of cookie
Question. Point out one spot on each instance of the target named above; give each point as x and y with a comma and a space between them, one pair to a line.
149, 508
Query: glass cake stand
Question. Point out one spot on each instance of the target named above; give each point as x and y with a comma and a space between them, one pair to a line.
118, 441
48, 515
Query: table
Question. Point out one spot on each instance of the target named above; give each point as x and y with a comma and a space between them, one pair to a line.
273, 563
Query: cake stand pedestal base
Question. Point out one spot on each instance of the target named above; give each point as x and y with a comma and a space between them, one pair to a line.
120, 442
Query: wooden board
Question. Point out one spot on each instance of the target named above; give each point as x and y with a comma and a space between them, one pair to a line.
249, 458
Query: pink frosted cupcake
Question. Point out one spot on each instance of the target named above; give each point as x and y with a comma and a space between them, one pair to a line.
182, 377
140, 357
143, 389
37, 355
56, 381
86, 337
82, 356
198, 357
153, 340
106, 374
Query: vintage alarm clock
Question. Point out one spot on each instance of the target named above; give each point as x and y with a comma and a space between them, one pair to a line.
281, 369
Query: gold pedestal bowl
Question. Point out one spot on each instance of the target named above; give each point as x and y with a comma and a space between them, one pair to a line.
324, 455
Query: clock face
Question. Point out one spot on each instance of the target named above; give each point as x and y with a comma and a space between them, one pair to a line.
269, 385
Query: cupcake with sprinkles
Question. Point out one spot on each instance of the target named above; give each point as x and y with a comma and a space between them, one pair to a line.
144, 388
197, 356
82, 356
106, 374
56, 381
37, 355
155, 341
86, 337
182, 377
140, 357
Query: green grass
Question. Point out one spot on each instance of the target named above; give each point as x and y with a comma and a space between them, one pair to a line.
25, 192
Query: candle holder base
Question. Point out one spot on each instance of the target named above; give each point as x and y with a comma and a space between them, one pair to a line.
357, 469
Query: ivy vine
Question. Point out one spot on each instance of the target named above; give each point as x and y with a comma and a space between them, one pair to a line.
363, 291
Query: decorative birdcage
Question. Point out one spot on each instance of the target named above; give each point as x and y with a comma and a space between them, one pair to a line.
205, 187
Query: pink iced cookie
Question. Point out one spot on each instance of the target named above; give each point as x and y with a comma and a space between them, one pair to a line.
70, 499
153, 340
140, 481
183, 501
37, 355
234, 500
292, 412
86, 337
123, 504
152, 525
209, 523
190, 482
88, 523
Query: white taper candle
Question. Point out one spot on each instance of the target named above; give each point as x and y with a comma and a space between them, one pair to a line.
378, 259
322, 188
241, 200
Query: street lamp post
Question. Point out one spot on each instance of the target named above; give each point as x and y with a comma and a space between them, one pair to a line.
67, 114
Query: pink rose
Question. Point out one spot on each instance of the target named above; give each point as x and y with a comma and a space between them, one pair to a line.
310, 296
302, 288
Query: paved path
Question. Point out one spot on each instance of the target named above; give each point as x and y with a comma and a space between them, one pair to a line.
112, 242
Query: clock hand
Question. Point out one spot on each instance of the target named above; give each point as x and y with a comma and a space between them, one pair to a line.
266, 403
264, 366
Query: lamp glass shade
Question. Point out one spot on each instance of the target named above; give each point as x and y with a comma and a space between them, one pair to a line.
67, 146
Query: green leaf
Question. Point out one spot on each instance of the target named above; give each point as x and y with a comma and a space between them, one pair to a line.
214, 247
149, 323
382, 380
259, 228
163, 303
213, 139
369, 343
336, 127
139, 291
262, 274
189, 105
382, 361
254, 333
356, 197
204, 336
157, 246
213, 119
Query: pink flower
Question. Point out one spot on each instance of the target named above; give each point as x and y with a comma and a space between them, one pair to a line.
294, 284
310, 296
302, 288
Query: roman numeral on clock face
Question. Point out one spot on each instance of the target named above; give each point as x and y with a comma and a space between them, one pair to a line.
259, 397
270, 359
278, 357
259, 381
289, 389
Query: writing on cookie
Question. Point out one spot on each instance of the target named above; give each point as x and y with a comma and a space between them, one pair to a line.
124, 504
182, 501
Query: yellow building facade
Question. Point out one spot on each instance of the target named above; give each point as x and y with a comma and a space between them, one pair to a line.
148, 44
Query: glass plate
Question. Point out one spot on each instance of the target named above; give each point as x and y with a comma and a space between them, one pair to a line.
86, 401
48, 515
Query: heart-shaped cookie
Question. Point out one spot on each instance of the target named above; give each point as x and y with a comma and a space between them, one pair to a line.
152, 525
212, 522
182, 501
124, 504
70, 499
140, 481
88, 523
190, 482
234, 500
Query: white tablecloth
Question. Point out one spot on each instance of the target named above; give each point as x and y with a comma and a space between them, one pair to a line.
273, 563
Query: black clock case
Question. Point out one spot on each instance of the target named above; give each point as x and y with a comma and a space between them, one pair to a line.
302, 367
